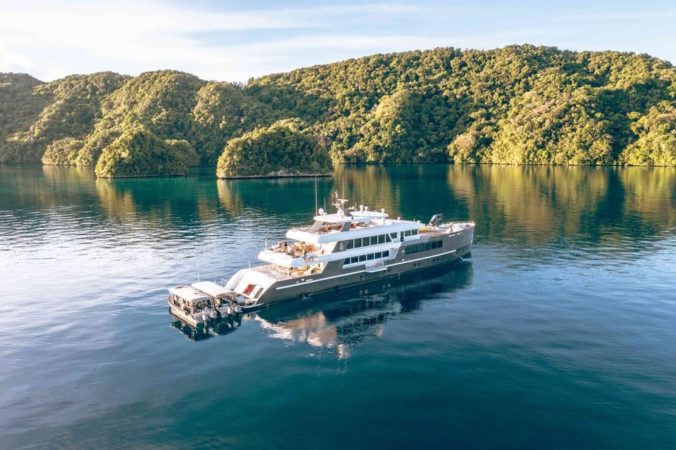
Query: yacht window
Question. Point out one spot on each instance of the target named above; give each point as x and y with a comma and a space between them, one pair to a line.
386, 253
374, 240
369, 256
362, 258
381, 239
414, 232
423, 247
349, 244
357, 243
387, 237
365, 242
393, 235
379, 255
407, 233
347, 261
354, 259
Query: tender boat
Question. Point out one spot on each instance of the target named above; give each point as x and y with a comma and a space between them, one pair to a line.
203, 303
350, 248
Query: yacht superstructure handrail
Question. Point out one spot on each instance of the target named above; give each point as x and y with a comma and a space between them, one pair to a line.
390, 226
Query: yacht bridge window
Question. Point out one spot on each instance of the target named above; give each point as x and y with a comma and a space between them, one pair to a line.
365, 242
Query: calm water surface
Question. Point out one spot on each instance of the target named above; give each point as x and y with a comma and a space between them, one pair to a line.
560, 332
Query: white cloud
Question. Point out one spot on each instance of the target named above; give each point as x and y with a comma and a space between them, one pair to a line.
132, 35
14, 62
51, 39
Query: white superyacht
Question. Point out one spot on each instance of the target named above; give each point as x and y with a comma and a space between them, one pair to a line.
347, 249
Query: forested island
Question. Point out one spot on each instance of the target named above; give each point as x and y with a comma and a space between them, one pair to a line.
514, 105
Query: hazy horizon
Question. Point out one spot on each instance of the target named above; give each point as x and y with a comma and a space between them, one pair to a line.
239, 40
159, 69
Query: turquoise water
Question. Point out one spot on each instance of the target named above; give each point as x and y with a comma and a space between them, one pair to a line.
560, 332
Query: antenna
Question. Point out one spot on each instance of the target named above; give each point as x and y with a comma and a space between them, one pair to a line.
343, 187
316, 206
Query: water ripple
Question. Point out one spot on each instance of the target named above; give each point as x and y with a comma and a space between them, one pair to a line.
567, 307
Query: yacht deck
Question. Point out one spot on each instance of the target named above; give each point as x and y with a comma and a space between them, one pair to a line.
275, 272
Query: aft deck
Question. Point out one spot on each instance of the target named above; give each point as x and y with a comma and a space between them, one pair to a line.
281, 273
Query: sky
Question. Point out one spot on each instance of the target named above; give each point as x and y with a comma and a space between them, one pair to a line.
237, 40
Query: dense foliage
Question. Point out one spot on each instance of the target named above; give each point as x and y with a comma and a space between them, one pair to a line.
555, 122
159, 101
139, 152
223, 111
514, 105
63, 152
656, 141
518, 104
282, 149
71, 108
19, 108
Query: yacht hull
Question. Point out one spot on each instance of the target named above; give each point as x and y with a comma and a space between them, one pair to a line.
182, 315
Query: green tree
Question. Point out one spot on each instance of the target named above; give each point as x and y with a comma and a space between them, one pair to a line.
656, 143
519, 104
139, 152
279, 150
63, 152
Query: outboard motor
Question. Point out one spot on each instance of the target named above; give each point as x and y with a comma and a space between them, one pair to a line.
435, 220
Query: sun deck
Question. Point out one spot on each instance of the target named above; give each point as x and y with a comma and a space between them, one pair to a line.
322, 232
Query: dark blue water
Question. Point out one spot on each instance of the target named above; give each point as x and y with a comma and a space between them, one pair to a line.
560, 332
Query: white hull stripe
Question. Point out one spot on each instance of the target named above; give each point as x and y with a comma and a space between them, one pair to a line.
303, 283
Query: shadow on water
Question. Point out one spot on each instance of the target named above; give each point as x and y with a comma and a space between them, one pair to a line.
341, 320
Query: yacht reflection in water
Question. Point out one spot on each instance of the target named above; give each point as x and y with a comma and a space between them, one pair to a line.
224, 326
340, 322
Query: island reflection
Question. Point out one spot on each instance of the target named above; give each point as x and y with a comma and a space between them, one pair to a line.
540, 204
